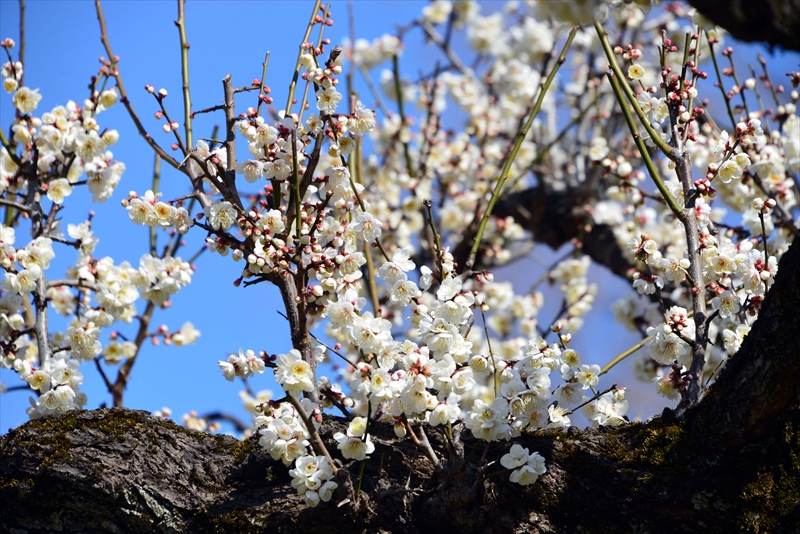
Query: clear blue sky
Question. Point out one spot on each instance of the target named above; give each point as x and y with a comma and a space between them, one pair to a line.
232, 37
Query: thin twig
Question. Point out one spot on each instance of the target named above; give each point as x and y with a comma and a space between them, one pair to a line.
114, 72
187, 99
498, 189
587, 401
297, 66
607, 367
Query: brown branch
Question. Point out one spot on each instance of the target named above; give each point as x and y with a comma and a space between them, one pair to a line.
229, 174
123, 375
114, 72
232, 419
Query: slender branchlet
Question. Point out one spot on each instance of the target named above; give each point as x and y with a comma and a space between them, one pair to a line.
124, 374
155, 186
621, 356
123, 95
640, 144
398, 91
298, 66
721, 83
509, 160
187, 98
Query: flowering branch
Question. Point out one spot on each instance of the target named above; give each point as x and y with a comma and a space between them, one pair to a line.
297, 67
612, 61
319, 445
587, 401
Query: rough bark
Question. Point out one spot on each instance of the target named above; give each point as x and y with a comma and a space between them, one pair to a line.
731, 465
774, 22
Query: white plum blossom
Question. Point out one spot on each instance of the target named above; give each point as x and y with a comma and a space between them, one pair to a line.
220, 215
311, 477
356, 444
242, 364
526, 468
368, 226
293, 373
26, 100
328, 99
251, 169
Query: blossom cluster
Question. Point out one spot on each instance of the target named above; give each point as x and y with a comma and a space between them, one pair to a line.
148, 210
283, 434
525, 467
47, 158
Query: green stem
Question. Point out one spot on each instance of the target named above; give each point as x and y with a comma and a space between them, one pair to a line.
651, 168
513, 154
187, 99
607, 367
612, 61
297, 67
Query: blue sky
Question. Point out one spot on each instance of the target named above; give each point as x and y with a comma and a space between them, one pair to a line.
62, 50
